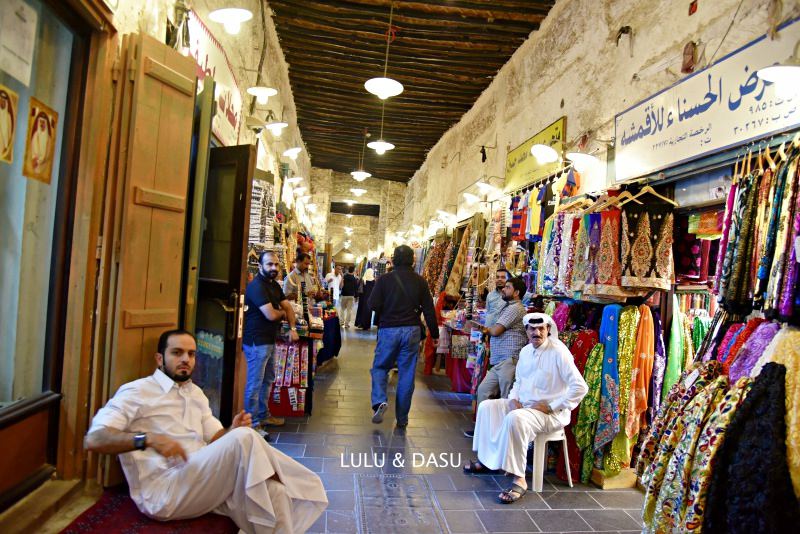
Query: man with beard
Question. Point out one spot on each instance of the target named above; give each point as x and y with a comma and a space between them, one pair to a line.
266, 307
494, 300
547, 388
294, 281
181, 463
506, 339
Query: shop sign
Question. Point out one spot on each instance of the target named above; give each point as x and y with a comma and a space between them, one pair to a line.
213, 61
719, 107
522, 168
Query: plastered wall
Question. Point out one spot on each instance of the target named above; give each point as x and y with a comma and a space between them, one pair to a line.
574, 66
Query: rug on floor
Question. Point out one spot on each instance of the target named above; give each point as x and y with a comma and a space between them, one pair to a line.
115, 513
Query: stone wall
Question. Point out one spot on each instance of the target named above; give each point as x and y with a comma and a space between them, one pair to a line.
575, 66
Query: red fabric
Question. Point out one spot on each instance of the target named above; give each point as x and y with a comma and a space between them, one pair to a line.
460, 376
430, 350
751, 326
115, 513
580, 349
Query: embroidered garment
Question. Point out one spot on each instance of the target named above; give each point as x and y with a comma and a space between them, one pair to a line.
663, 502
594, 222
609, 270
659, 366
741, 339
765, 196
751, 489
619, 454
553, 257
789, 293
682, 392
733, 231
751, 350
608, 424
787, 353
580, 268
675, 349
726, 233
644, 354
647, 246
781, 253
589, 410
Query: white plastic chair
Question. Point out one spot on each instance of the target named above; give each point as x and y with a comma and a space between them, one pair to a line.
539, 450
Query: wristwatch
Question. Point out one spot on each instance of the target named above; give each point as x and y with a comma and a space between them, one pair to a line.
293, 329
140, 441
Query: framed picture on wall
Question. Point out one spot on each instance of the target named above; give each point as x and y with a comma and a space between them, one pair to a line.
40, 142
8, 123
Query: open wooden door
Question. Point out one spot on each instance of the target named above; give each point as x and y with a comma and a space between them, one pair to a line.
222, 280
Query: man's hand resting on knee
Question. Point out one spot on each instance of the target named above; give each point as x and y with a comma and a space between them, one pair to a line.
242, 419
514, 404
166, 447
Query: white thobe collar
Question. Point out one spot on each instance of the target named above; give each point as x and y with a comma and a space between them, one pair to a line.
165, 382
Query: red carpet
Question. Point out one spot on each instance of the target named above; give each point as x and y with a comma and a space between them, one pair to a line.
115, 513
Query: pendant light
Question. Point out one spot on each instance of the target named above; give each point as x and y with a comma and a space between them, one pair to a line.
231, 18
292, 152
357, 191
262, 93
274, 125
785, 75
360, 174
544, 154
385, 87
582, 161
380, 146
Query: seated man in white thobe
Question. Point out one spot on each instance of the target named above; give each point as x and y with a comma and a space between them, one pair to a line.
180, 462
547, 388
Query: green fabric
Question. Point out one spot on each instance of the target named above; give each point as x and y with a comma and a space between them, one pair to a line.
589, 410
699, 330
675, 350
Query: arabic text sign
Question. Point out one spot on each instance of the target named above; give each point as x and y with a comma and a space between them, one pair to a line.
212, 61
522, 168
721, 106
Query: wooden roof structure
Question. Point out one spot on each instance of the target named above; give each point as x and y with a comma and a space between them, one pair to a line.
445, 54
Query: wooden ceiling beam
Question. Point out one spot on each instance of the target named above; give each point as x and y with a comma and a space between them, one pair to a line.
464, 9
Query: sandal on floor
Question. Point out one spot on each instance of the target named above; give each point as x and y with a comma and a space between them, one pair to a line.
507, 497
474, 468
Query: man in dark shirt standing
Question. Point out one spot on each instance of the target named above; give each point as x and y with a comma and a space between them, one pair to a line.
398, 298
348, 295
266, 307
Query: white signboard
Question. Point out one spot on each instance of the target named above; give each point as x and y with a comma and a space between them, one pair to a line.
17, 39
212, 61
716, 108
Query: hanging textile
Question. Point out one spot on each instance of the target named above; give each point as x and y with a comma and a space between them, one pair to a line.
608, 424
750, 488
751, 350
675, 350
647, 261
644, 355
659, 367
589, 409
741, 339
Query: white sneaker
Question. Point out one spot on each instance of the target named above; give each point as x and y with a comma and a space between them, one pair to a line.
377, 417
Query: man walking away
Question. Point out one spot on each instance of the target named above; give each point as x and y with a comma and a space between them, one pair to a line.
398, 298
348, 295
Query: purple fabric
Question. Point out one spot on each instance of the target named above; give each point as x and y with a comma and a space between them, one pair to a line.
786, 305
752, 350
561, 316
723, 244
727, 348
659, 366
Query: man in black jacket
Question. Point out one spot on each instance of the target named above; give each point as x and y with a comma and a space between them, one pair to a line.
398, 298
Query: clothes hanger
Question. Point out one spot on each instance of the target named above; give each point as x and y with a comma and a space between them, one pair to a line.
649, 189
796, 140
760, 162
782, 152
770, 161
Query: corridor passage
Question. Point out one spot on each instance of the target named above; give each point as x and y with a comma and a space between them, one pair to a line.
431, 498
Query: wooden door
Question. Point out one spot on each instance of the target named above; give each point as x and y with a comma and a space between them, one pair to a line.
153, 170
222, 268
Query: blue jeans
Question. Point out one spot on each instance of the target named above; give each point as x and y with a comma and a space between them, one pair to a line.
260, 376
400, 344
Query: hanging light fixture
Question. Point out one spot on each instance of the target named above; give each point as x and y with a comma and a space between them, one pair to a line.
231, 18
261, 93
385, 87
544, 154
582, 161
292, 152
785, 75
358, 192
349, 215
274, 125
360, 174
380, 146
349, 202
470, 198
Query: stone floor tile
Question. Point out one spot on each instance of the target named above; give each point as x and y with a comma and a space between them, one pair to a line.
463, 522
507, 521
458, 500
608, 520
558, 520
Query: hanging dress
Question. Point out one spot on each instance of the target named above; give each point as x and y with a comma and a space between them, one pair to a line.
647, 261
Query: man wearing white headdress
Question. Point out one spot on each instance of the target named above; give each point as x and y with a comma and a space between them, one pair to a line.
548, 386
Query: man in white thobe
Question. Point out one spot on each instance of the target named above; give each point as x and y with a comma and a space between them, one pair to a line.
547, 388
180, 462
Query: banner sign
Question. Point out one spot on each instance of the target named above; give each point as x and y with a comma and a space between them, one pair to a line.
721, 106
522, 168
213, 61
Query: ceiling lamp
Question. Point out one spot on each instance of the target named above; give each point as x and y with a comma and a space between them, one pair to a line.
292, 152
261, 93
349, 202
349, 215
380, 146
544, 154
358, 192
385, 87
294, 180
360, 174
231, 18
470, 198
581, 161
484, 187
274, 125
785, 75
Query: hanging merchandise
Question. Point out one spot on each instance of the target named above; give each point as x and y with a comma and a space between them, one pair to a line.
453, 288
646, 249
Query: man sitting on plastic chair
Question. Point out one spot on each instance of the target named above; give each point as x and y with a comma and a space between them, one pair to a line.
547, 388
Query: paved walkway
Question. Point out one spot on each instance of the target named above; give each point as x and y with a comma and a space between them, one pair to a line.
340, 443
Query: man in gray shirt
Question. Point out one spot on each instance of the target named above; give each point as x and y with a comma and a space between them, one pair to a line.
507, 337
494, 300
